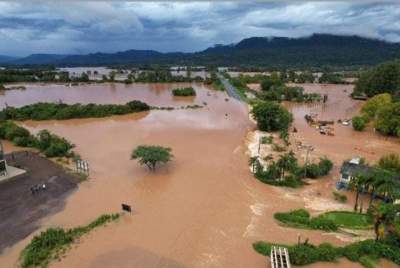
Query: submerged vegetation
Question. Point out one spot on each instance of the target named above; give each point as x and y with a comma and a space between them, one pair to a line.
53, 242
184, 92
49, 144
61, 111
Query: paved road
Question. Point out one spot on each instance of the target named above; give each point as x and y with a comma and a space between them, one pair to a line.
231, 90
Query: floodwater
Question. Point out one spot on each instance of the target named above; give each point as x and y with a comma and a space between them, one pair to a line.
155, 94
346, 143
204, 209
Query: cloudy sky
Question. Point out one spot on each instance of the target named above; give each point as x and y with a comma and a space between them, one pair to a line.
78, 27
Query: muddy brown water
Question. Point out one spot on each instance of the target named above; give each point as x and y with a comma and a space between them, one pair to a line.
346, 142
204, 209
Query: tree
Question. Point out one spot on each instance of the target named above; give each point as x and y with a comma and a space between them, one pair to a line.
388, 119
271, 116
385, 78
150, 155
287, 162
374, 104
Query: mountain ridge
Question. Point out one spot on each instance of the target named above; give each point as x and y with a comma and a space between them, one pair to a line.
313, 50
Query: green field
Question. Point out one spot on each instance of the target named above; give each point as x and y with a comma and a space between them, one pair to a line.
347, 219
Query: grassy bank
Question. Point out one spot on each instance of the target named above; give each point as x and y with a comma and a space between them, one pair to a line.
329, 221
348, 219
48, 245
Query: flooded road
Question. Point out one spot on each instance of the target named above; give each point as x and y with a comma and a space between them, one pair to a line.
204, 209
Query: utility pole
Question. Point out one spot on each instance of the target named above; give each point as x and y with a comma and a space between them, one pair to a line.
308, 150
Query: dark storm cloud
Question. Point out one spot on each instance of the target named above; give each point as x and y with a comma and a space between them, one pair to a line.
82, 27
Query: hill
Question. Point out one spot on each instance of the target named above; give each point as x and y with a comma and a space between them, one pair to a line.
316, 50
4, 58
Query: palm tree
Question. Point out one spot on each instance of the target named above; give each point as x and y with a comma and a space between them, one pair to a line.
358, 183
384, 215
287, 162
253, 162
388, 185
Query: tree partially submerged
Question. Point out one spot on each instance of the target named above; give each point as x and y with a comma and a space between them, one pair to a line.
150, 155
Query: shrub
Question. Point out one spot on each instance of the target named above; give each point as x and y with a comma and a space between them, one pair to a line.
359, 123
184, 92
267, 140
325, 165
323, 224
339, 197
321, 169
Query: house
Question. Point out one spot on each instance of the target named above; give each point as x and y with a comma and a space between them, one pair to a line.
351, 168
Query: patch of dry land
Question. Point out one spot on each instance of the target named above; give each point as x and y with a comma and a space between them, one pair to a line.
204, 209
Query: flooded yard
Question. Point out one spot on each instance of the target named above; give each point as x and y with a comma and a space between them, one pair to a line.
204, 209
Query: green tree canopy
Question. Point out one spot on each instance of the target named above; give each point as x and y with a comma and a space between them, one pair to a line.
271, 116
388, 119
150, 155
385, 78
372, 106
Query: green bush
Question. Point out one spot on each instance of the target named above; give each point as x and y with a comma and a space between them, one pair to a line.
321, 169
359, 123
184, 92
321, 223
339, 197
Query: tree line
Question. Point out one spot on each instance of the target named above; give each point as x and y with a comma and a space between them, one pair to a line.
61, 111
49, 144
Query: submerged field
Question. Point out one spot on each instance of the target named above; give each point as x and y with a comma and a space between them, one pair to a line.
204, 209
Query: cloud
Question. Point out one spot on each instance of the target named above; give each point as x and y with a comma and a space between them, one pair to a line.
83, 27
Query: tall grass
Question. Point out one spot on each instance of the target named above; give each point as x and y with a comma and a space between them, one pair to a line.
51, 243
